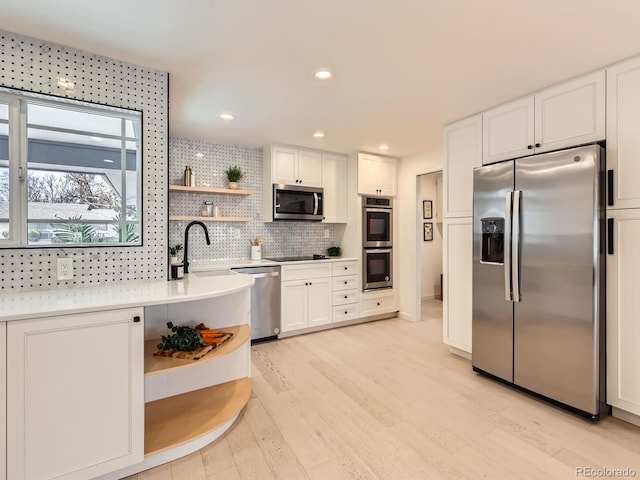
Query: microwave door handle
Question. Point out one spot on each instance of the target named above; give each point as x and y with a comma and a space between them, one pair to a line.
315, 203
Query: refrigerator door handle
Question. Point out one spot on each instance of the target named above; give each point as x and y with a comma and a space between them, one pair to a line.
515, 246
507, 247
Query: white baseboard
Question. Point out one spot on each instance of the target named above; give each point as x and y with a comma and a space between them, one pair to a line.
430, 297
626, 416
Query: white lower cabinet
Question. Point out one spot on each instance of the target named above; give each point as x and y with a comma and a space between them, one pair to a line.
346, 283
306, 302
378, 303
70, 413
457, 283
623, 309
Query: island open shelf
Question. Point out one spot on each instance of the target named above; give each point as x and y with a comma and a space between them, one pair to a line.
174, 421
154, 365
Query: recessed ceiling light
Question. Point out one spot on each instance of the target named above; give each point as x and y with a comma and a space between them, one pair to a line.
226, 116
107, 160
318, 134
383, 146
199, 155
323, 74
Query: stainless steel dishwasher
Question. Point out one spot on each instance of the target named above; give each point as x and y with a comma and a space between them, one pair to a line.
265, 301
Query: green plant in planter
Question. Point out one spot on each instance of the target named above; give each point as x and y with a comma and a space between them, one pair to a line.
234, 174
173, 251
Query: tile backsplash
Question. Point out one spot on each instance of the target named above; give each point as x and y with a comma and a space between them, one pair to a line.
230, 240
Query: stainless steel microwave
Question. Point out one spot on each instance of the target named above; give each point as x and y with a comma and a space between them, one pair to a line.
294, 202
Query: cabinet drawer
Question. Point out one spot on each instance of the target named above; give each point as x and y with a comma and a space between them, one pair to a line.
345, 268
345, 297
376, 305
345, 283
305, 271
345, 312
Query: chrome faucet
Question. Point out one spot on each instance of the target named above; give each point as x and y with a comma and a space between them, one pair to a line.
186, 241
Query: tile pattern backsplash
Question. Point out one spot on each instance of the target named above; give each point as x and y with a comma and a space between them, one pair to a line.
230, 240
35, 65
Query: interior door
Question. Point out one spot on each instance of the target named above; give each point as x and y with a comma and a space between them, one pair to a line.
555, 323
492, 331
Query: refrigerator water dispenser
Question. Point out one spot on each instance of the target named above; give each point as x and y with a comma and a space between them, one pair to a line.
492, 240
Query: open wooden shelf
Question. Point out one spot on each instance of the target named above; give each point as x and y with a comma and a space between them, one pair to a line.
154, 365
174, 421
209, 190
188, 218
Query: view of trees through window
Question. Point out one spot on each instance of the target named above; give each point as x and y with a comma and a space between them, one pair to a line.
82, 179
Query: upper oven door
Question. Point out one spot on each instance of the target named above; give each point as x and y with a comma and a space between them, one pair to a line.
377, 228
292, 202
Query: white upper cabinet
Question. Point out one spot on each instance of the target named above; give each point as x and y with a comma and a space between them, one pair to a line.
334, 183
293, 166
462, 150
309, 168
623, 134
377, 175
508, 131
568, 114
284, 165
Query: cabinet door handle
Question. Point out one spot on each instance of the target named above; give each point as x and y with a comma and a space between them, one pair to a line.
345, 282
345, 312
346, 296
537, 145
378, 303
610, 188
530, 147
306, 283
345, 268
136, 319
610, 236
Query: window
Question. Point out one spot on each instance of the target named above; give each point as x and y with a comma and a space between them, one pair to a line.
70, 173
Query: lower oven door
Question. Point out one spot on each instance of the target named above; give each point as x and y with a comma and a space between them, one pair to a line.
377, 268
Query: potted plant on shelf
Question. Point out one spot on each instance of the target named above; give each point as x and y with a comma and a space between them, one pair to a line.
234, 174
173, 252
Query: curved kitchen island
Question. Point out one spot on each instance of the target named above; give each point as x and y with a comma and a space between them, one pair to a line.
86, 398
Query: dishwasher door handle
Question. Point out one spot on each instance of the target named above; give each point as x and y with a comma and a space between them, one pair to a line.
260, 275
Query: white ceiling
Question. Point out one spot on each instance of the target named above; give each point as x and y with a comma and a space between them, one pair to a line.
404, 68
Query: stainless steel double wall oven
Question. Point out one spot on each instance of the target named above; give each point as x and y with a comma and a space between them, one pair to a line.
377, 242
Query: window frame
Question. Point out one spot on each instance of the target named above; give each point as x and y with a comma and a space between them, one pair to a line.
19, 126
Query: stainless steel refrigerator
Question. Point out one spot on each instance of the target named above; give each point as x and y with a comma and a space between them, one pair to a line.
538, 284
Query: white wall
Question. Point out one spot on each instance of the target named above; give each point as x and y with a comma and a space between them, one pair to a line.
431, 252
407, 237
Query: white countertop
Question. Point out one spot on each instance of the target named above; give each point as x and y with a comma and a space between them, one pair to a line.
226, 264
47, 303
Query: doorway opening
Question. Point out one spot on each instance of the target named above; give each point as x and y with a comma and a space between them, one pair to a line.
429, 251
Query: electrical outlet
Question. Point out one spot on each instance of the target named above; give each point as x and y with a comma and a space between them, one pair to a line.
65, 268
326, 233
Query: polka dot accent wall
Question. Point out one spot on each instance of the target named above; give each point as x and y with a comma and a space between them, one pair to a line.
36, 65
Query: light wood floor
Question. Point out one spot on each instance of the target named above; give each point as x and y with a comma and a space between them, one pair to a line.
386, 400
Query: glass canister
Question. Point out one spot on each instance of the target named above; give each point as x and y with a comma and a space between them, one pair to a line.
209, 207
